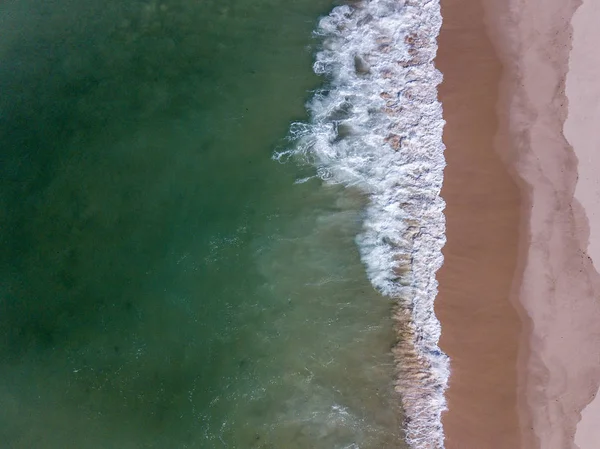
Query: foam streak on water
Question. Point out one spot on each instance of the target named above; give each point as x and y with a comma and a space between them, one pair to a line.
378, 126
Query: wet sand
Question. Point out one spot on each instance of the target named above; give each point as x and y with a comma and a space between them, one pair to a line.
519, 295
480, 326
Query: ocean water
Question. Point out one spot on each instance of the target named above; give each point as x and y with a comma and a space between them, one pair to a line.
165, 282
376, 127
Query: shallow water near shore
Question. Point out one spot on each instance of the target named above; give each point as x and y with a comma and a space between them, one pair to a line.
164, 282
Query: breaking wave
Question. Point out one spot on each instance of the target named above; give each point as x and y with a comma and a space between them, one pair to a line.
377, 126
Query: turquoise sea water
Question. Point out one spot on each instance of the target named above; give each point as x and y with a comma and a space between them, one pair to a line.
163, 282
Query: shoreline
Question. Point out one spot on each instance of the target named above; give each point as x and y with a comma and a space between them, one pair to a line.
480, 326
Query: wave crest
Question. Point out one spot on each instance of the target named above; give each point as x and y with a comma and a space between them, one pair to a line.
378, 126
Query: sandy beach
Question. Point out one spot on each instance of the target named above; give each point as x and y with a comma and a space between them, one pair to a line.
545, 314
480, 326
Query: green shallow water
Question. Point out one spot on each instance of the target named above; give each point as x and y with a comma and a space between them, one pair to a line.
163, 282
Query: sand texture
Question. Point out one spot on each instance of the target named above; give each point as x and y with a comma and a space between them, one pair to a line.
480, 326
559, 369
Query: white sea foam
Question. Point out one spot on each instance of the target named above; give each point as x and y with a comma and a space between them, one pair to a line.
378, 126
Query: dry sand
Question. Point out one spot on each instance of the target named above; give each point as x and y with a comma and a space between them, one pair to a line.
560, 370
555, 288
582, 130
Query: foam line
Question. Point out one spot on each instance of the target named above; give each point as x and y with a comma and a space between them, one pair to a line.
377, 125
